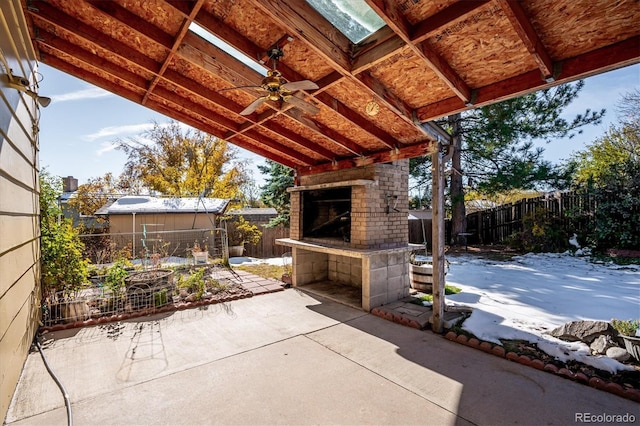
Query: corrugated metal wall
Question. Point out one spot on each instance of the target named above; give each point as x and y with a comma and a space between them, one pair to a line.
19, 222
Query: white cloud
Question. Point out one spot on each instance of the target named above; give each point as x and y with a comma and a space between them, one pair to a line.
111, 131
106, 147
89, 93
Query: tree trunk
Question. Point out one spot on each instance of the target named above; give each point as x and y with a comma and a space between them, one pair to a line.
456, 190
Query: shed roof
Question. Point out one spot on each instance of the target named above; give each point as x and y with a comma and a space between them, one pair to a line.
254, 211
147, 204
376, 98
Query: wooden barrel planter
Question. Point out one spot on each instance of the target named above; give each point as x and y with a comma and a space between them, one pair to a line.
421, 273
421, 277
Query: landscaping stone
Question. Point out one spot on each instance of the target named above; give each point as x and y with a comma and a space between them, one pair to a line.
619, 354
585, 331
601, 344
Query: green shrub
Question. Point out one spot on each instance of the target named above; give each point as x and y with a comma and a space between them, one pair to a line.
542, 232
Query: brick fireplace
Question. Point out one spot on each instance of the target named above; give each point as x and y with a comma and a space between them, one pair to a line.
349, 234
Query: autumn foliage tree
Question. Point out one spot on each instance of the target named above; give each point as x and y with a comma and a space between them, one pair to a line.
183, 163
94, 194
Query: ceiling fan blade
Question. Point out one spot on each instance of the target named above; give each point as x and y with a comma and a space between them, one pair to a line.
253, 106
300, 85
299, 103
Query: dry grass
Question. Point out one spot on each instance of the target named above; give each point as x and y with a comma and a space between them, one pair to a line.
263, 270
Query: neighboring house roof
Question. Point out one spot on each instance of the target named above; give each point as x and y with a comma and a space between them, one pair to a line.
475, 205
419, 214
66, 196
147, 204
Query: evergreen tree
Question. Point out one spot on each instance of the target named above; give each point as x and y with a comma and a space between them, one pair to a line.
274, 192
496, 149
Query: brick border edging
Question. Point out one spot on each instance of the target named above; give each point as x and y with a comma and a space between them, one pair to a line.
172, 307
497, 350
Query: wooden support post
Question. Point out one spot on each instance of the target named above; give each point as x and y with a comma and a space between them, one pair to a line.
437, 239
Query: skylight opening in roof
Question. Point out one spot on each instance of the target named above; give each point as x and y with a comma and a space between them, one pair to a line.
353, 18
227, 48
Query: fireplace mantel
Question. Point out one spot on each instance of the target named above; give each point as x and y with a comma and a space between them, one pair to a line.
355, 182
344, 251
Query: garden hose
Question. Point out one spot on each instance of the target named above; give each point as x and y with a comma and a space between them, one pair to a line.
67, 401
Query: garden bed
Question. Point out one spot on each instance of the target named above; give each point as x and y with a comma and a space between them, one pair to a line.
146, 293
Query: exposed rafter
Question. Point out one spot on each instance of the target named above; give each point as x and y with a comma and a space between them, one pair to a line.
518, 18
432, 59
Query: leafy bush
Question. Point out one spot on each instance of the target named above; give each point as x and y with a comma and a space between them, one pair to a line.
626, 327
542, 232
63, 266
242, 232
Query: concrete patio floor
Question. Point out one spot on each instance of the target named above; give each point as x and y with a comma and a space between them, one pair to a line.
287, 358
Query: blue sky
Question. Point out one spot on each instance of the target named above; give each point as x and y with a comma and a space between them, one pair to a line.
78, 129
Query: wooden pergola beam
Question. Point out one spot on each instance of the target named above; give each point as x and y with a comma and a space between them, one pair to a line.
438, 65
521, 24
386, 156
597, 61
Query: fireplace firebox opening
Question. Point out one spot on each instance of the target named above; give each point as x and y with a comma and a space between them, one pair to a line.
326, 214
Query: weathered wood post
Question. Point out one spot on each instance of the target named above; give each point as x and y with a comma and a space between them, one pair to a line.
438, 238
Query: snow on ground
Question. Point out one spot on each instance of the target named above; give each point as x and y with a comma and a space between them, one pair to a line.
532, 294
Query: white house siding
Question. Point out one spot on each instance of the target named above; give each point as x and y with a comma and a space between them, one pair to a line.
19, 222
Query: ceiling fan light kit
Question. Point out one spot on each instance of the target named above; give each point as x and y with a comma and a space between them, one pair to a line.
277, 89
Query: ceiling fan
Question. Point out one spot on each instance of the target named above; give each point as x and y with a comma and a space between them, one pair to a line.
276, 88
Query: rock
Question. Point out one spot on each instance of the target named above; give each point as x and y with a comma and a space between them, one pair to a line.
585, 331
618, 354
601, 344
191, 298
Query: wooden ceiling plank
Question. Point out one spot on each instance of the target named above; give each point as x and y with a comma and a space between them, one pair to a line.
132, 21
340, 108
131, 56
133, 79
296, 139
381, 52
54, 17
601, 60
221, 62
448, 16
373, 158
328, 132
90, 77
205, 55
396, 21
184, 28
230, 36
292, 137
262, 139
444, 71
183, 6
521, 24
390, 100
300, 19
62, 45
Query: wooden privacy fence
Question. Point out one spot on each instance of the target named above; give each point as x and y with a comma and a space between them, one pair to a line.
267, 247
495, 225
